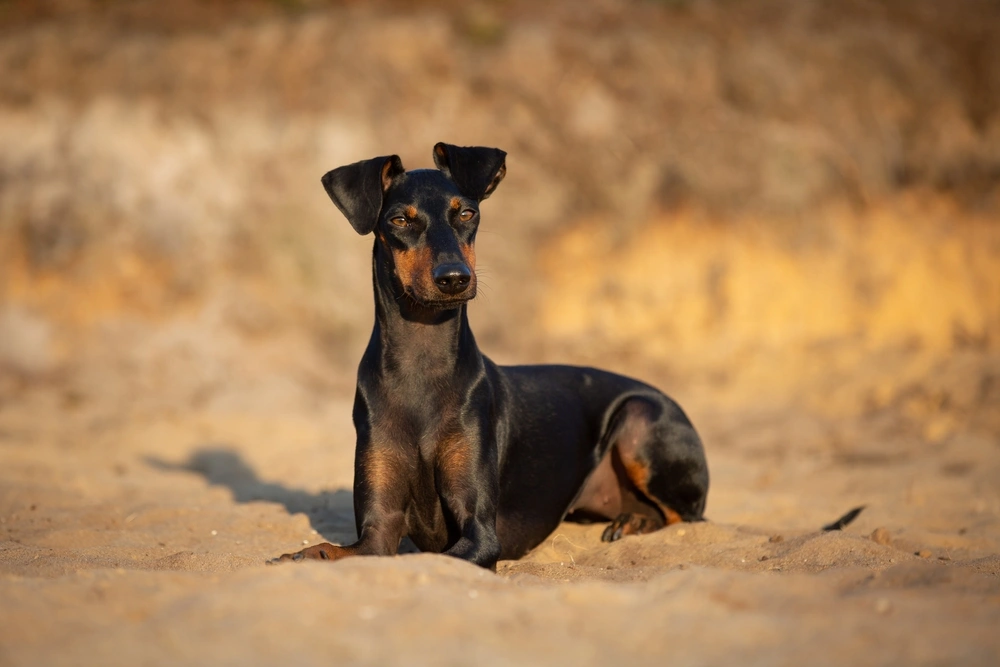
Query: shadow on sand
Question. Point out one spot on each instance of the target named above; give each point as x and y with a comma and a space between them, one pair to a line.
331, 513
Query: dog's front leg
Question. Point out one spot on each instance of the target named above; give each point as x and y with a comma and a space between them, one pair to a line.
470, 490
477, 519
379, 508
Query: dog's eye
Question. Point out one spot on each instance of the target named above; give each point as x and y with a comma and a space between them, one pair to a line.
467, 215
399, 221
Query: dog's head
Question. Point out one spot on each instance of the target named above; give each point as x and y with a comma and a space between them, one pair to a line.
425, 220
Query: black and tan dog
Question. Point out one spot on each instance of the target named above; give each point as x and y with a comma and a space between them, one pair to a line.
465, 457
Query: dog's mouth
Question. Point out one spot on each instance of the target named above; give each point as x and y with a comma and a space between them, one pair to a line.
441, 302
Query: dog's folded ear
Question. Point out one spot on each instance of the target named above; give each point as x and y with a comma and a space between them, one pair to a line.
476, 170
357, 189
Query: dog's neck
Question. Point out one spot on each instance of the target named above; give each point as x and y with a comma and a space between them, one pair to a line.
411, 338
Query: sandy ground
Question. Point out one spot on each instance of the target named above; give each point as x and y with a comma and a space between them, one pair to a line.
132, 538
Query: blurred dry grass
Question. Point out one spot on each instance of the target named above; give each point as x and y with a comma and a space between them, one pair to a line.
706, 188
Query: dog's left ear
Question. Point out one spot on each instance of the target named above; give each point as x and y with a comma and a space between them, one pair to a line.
476, 170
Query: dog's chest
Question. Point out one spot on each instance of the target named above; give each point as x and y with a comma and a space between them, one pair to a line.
427, 520
434, 442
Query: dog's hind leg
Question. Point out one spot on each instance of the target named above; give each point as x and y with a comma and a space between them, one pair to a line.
660, 465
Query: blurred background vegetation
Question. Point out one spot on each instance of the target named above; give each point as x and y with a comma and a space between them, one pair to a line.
744, 198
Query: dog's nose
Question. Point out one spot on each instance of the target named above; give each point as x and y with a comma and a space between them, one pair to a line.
452, 278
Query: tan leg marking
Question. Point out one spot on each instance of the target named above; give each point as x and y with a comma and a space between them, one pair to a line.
454, 459
638, 474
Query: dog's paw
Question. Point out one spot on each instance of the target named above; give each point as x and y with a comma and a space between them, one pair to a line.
325, 551
630, 524
283, 558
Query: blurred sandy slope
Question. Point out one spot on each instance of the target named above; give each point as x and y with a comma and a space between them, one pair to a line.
696, 185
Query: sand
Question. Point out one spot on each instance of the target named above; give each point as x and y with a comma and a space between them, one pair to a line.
141, 539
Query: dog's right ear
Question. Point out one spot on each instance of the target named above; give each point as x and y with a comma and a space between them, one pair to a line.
358, 189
